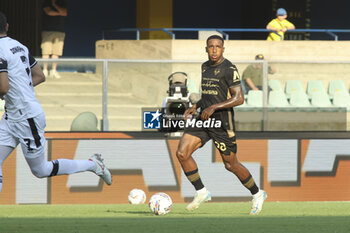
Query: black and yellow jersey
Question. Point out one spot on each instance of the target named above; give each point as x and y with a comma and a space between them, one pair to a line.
216, 81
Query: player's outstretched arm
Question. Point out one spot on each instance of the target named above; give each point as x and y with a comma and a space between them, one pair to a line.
37, 75
235, 100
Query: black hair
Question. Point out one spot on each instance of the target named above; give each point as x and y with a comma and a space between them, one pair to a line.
215, 37
3, 22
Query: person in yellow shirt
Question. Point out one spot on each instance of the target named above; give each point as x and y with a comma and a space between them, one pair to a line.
279, 26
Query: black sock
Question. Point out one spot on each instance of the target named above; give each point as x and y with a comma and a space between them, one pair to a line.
194, 178
249, 183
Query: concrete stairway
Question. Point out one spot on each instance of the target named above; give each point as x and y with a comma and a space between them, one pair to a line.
63, 99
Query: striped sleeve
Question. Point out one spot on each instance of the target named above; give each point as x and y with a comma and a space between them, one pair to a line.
32, 61
3, 65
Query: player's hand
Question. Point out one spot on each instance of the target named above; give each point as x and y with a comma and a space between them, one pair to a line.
189, 112
207, 113
284, 29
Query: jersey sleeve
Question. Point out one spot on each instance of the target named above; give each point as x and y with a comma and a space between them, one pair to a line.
232, 76
32, 61
3, 65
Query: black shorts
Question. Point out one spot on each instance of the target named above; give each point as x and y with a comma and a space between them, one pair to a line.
224, 140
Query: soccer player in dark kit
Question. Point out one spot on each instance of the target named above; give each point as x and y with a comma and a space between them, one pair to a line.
221, 91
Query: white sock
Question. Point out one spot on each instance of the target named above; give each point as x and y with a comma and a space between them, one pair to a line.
202, 191
257, 194
67, 166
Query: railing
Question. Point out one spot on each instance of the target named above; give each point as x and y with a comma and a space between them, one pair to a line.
107, 86
223, 31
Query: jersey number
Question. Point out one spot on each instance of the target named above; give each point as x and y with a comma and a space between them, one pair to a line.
27, 140
220, 145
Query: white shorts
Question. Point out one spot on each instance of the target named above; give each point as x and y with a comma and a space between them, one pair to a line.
30, 133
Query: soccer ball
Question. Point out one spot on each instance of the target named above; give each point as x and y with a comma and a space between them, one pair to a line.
137, 196
160, 204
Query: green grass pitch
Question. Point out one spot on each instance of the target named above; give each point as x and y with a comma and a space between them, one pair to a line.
328, 217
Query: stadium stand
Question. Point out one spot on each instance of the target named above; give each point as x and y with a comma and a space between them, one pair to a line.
299, 99
336, 86
314, 86
278, 99
255, 99
320, 99
342, 99
293, 86
275, 85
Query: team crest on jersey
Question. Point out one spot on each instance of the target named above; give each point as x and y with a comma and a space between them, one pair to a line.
216, 71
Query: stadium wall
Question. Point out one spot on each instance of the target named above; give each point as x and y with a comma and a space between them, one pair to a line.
234, 50
290, 167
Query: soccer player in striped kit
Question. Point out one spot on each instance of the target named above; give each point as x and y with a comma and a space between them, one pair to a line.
24, 120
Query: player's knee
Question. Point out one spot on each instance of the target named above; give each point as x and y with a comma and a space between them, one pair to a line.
232, 167
181, 155
38, 172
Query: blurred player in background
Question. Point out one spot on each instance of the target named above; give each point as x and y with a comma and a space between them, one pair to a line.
24, 120
279, 26
221, 91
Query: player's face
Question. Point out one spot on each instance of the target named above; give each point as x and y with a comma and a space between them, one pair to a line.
215, 50
281, 17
